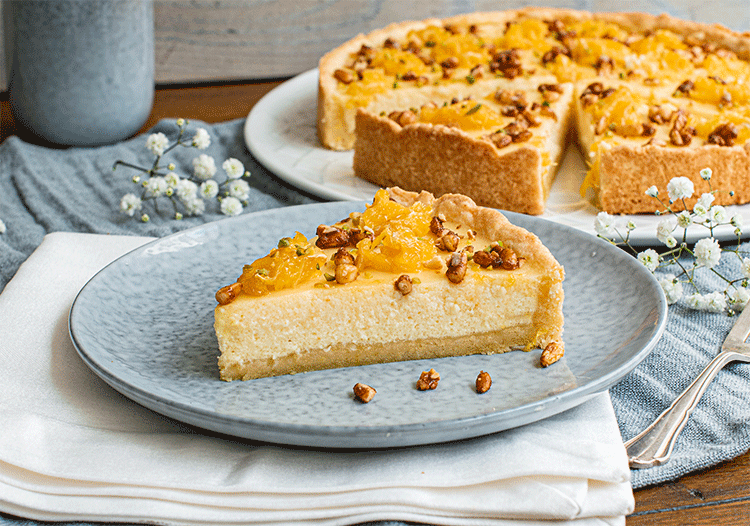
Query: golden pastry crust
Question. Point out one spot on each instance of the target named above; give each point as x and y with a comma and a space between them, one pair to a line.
442, 159
388, 154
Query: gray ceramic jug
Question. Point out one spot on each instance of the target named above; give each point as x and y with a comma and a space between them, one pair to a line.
81, 72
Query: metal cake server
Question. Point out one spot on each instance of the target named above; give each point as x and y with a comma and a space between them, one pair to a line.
653, 446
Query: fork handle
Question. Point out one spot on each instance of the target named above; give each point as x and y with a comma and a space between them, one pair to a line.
653, 446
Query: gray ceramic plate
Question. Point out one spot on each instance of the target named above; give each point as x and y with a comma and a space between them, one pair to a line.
144, 324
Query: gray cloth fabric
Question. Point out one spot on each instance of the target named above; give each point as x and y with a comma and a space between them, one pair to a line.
718, 428
44, 190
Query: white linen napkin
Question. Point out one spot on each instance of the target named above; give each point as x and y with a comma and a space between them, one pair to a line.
73, 449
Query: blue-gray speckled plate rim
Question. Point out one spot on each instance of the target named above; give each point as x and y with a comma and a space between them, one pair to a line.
383, 436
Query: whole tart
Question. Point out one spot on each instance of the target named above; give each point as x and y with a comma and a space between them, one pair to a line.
411, 277
678, 90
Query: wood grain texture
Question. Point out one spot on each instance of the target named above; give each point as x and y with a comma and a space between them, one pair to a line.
211, 40
720, 495
727, 514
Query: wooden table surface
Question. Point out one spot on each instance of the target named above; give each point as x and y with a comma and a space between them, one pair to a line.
717, 496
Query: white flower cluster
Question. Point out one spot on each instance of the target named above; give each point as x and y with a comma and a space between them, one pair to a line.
188, 194
706, 253
157, 143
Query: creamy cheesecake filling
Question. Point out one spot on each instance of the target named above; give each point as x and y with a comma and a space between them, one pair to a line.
435, 308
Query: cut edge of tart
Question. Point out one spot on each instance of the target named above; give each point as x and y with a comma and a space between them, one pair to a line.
411, 277
502, 149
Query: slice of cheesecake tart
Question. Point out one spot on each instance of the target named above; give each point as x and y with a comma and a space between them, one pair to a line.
410, 277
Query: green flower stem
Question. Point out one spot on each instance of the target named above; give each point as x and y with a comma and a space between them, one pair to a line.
123, 163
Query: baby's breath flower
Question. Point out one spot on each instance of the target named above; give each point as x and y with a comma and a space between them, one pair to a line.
194, 206
186, 189
201, 139
706, 200
158, 183
665, 228
204, 167
738, 298
172, 179
718, 214
130, 204
3, 229
707, 252
157, 143
680, 188
700, 214
696, 301
234, 168
604, 224
231, 206
715, 302
672, 288
745, 267
239, 189
649, 258
155, 186
684, 219
209, 189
